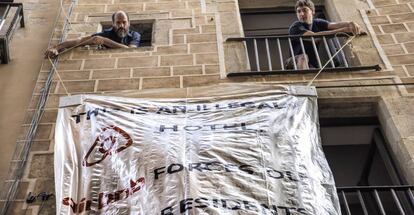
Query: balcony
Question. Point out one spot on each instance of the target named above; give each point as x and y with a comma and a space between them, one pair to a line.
10, 15
380, 200
268, 55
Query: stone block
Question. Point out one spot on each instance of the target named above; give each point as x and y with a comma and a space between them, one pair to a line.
409, 88
200, 20
404, 17
40, 145
404, 37
22, 190
118, 84
40, 85
99, 63
208, 29
73, 75
150, 61
385, 39
76, 87
82, 2
201, 80
410, 69
409, 47
52, 101
209, 58
135, 7
384, 2
69, 65
176, 60
161, 82
227, 7
410, 26
203, 47
212, 69
393, 49
187, 70
402, 59
377, 29
111, 73
148, 72
89, 9
178, 39
165, 6
186, 31
194, 5
393, 9
394, 28
48, 116
229, 20
38, 164
200, 38
175, 49
375, 20
86, 54
181, 13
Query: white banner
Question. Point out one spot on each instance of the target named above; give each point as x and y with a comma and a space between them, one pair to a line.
251, 152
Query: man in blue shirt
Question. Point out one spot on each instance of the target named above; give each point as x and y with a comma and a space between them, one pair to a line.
119, 36
307, 25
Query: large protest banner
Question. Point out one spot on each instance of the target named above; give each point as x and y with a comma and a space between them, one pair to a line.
246, 150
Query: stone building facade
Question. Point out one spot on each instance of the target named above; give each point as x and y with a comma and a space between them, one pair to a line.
190, 48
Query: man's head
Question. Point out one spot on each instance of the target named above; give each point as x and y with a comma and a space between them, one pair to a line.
120, 23
305, 9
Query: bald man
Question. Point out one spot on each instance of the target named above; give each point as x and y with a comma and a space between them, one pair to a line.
119, 36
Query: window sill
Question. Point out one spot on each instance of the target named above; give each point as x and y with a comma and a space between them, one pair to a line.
304, 71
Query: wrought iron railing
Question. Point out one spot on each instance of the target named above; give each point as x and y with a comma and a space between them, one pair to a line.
268, 54
7, 27
378, 200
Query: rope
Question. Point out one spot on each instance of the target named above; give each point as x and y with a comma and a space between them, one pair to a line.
326, 64
58, 75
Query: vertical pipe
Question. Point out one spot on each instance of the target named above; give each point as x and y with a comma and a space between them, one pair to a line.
329, 52
341, 52
379, 203
316, 53
279, 48
361, 199
345, 203
292, 54
256, 55
268, 55
397, 202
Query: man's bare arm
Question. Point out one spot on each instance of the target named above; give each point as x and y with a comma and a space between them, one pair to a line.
339, 27
88, 40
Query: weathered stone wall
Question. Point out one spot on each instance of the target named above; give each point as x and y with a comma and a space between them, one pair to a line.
189, 50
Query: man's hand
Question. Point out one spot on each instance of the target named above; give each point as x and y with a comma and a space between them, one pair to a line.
51, 53
355, 28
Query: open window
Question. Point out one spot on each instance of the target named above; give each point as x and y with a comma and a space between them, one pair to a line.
367, 178
143, 27
269, 47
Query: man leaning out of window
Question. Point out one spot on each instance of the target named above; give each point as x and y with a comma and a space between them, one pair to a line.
307, 25
119, 36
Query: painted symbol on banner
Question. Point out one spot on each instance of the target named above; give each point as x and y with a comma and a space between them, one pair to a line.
105, 142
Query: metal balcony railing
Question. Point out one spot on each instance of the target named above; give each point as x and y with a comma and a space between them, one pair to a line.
378, 200
268, 54
10, 15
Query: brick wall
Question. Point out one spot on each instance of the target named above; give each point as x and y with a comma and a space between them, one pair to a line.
393, 22
187, 51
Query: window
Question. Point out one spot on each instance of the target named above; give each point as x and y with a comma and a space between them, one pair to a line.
143, 27
365, 173
270, 49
